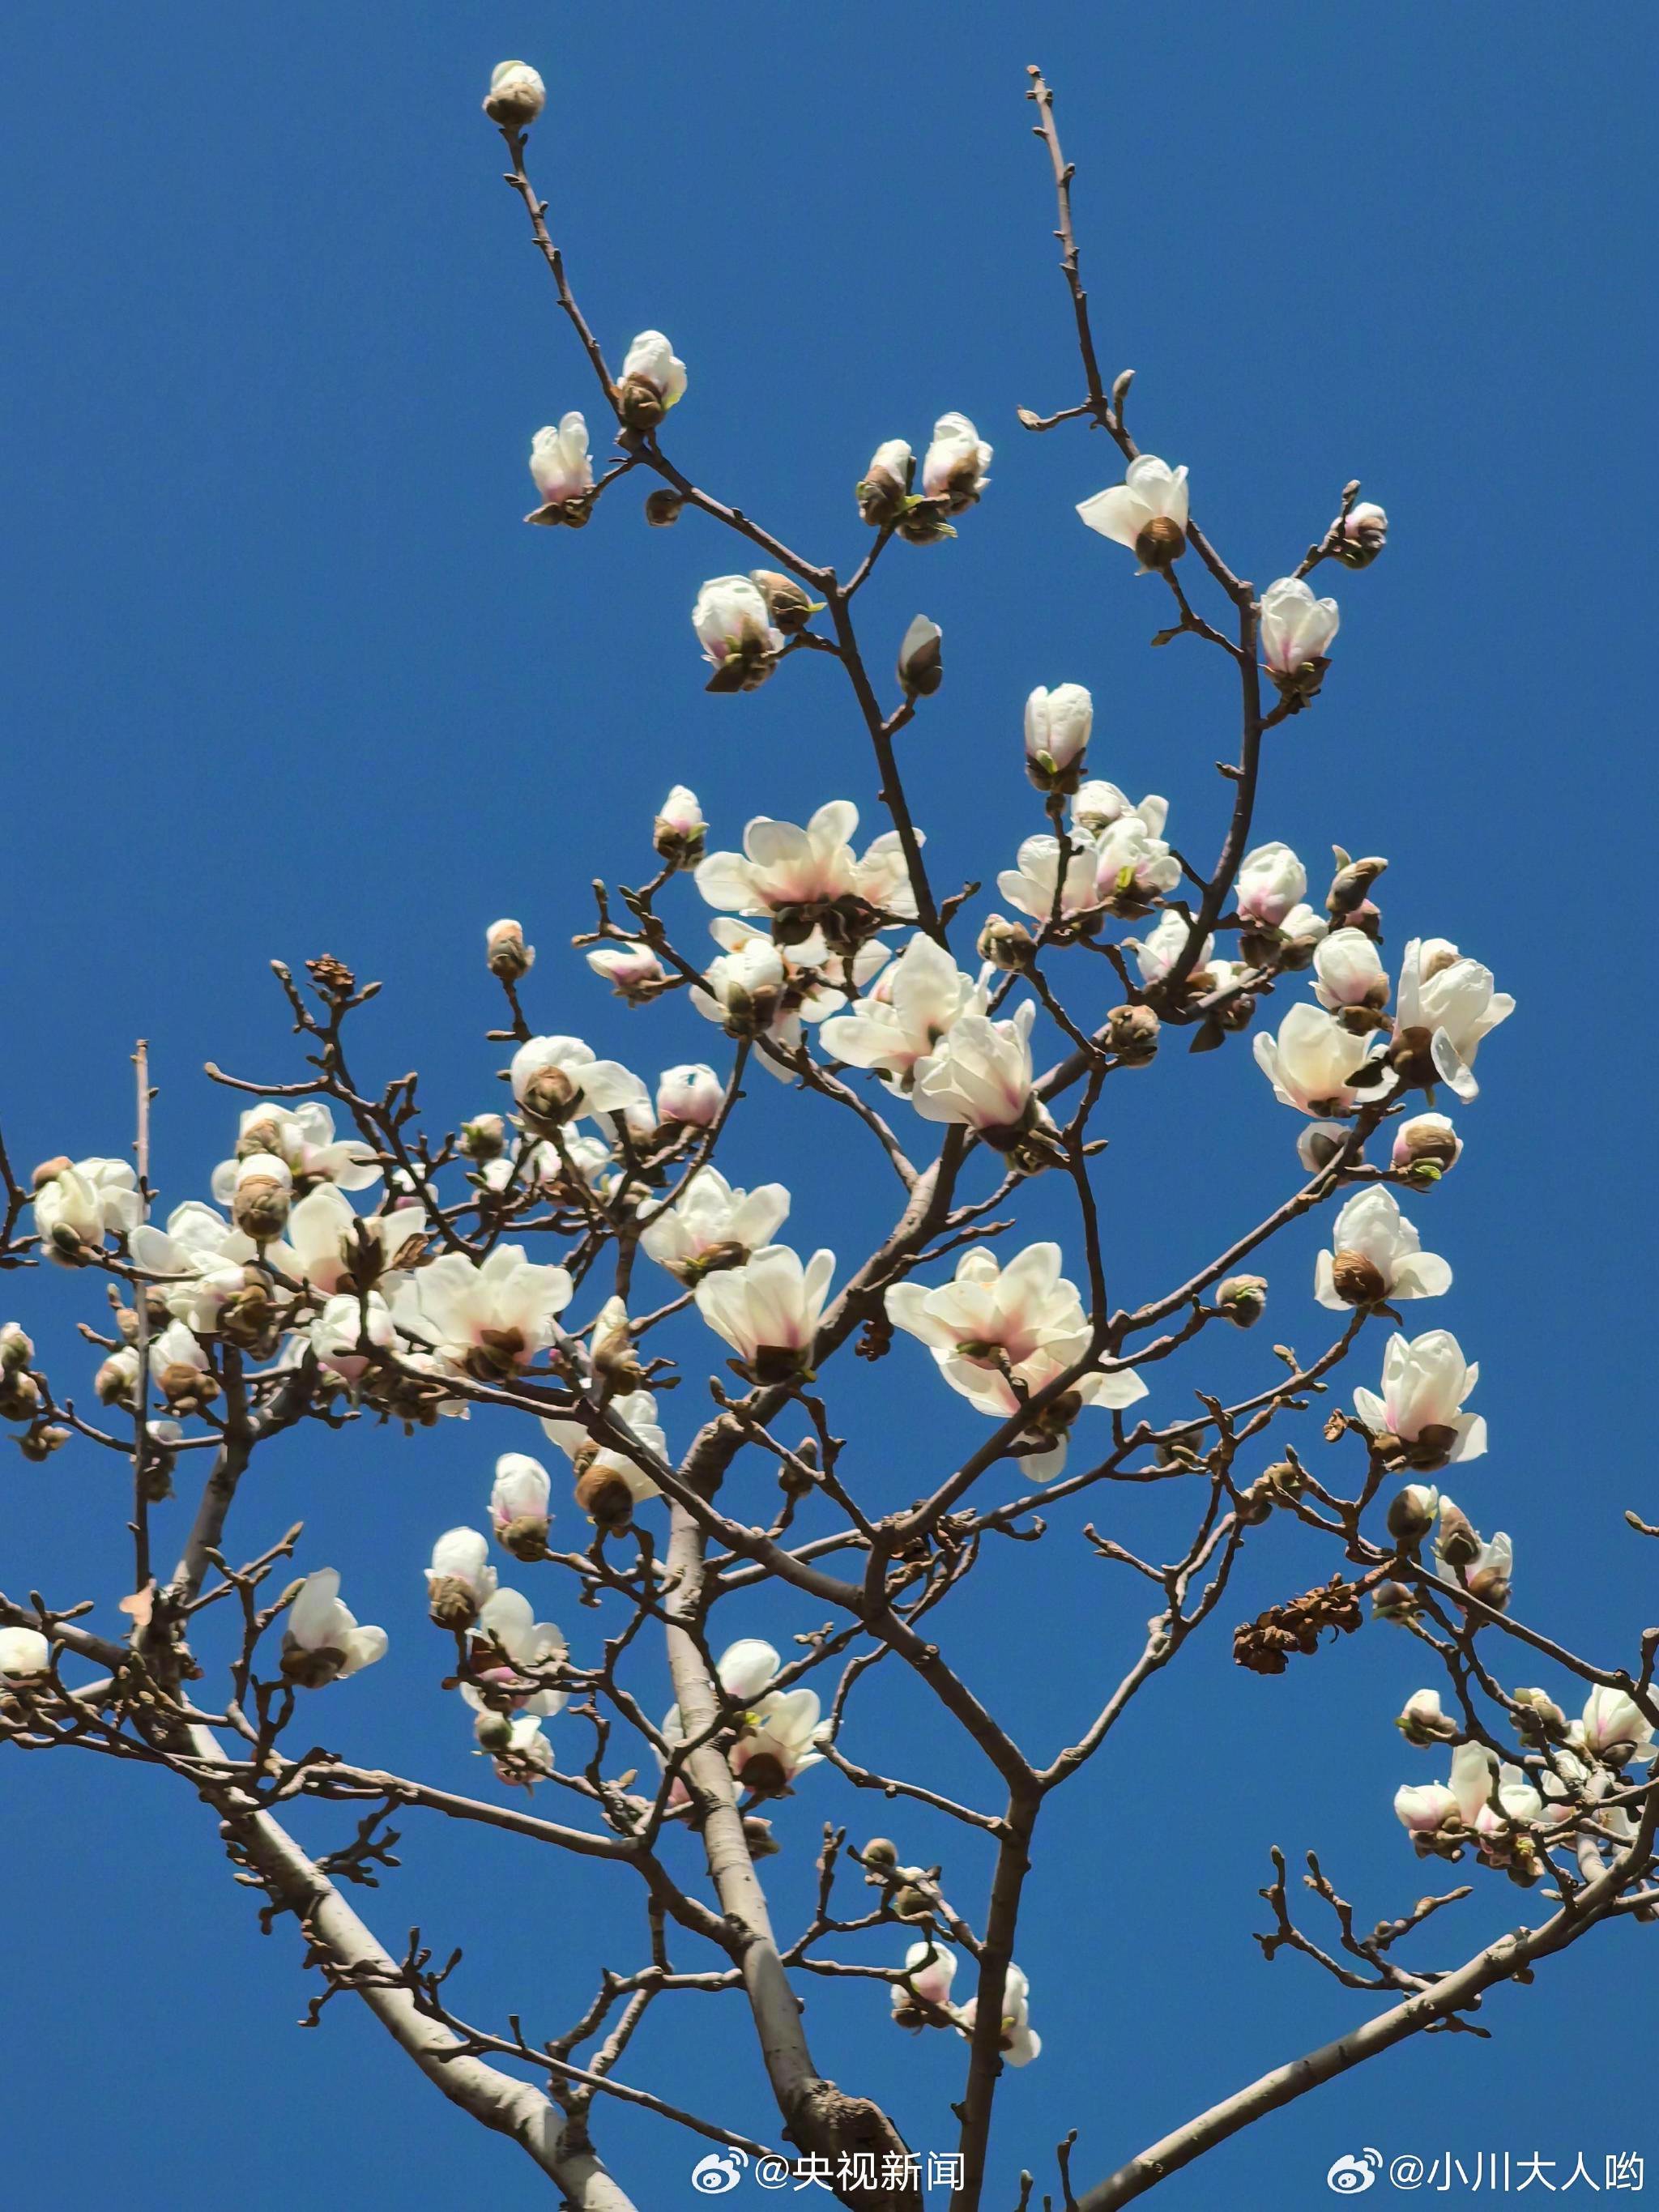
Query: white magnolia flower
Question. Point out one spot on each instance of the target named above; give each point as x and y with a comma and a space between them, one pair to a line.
1318, 1143
783, 867
1349, 972
769, 1309
1304, 925
1271, 882
1057, 726
325, 1237
754, 990
1422, 1721
204, 1255
745, 1671
633, 971
980, 1075
1132, 862
507, 1675
1376, 1254
1363, 533
1164, 946
1614, 1729
83, 1201
885, 486
321, 1640
999, 1333
561, 470
734, 628
486, 1320
521, 1751
343, 1325
1477, 1777
516, 95
1455, 1001
176, 1347
690, 1093
710, 1225
1030, 884
519, 1503
780, 1740
303, 1137
1296, 629
604, 1471
1021, 2042
653, 378
917, 1001
1423, 1808
956, 465
557, 1078
929, 1969
24, 1653
1311, 1062
1424, 1382
460, 1574
1147, 512
1096, 805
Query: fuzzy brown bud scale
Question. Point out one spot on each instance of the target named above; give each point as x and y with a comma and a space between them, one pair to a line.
1266, 1644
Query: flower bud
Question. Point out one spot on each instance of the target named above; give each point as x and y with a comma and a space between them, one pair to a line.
117, 1380
1539, 1714
759, 1837
1421, 1721
263, 1197
921, 659
492, 1731
451, 1603
879, 1853
1132, 1033
15, 1349
690, 1095
38, 1444
484, 1137
516, 95
680, 829
1395, 1602
886, 484
633, 971
1412, 1511
605, 1496
49, 1170
1007, 945
1319, 1145
1351, 885
662, 508
1426, 1147
1357, 1280
20, 1395
1457, 1544
1360, 536
653, 380
615, 1364
910, 1902
1244, 1299
186, 1387
1160, 542
1057, 726
506, 954
790, 605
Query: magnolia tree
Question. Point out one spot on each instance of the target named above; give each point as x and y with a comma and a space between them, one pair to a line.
568, 1259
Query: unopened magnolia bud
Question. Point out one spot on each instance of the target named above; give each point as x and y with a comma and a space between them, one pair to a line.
484, 1137
662, 508
49, 1170
1357, 1280
604, 1498
1394, 1602
549, 1097
879, 1852
757, 1835
1319, 1145
516, 95
680, 831
886, 484
1255, 1504
15, 1349
1007, 945
1161, 543
187, 1385
1244, 1299
1285, 1479
921, 659
506, 953
263, 1198
20, 1395
1412, 1512
790, 605
451, 1601
1457, 1544
1540, 1710
38, 1444
116, 1383
525, 1537
909, 1903
1421, 1721
1360, 536
1351, 885
493, 1731
1426, 1147
1132, 1033
615, 1361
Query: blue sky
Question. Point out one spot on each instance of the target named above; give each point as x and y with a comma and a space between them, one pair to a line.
284, 674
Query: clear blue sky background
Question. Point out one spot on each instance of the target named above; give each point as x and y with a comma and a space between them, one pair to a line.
284, 673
